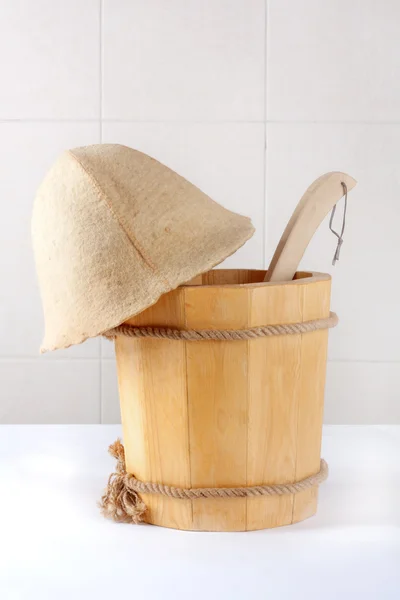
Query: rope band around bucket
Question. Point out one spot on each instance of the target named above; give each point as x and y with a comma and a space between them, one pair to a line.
197, 335
121, 501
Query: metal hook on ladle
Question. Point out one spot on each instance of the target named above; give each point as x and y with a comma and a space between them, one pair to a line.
339, 235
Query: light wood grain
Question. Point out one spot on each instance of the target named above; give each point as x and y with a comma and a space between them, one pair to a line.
153, 396
217, 400
221, 414
316, 303
274, 365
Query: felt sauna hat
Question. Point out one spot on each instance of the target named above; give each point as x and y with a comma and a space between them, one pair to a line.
113, 230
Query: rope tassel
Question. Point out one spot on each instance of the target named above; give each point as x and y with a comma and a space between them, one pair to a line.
121, 501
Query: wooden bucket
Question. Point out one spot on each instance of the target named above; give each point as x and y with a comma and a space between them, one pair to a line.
227, 413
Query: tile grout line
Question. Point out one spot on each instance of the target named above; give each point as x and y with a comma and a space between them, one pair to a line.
101, 141
130, 120
33, 359
265, 136
330, 122
40, 120
101, 69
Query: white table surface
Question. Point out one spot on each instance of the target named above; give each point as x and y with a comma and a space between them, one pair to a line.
55, 545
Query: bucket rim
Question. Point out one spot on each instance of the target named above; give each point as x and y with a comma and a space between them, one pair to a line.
305, 277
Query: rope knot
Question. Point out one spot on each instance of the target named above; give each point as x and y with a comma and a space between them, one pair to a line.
119, 502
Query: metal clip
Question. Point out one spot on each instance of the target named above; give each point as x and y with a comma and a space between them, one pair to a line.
339, 236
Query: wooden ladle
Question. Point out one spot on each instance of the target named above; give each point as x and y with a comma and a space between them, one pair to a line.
318, 200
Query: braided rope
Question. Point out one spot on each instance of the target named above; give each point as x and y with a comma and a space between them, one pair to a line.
280, 489
121, 501
193, 335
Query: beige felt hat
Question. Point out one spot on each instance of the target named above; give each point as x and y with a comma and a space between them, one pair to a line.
113, 230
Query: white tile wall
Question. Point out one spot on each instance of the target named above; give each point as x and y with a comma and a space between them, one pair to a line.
334, 60
184, 60
56, 391
50, 59
249, 100
110, 400
366, 389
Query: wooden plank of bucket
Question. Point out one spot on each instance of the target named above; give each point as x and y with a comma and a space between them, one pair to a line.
154, 410
274, 388
316, 303
217, 405
286, 379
